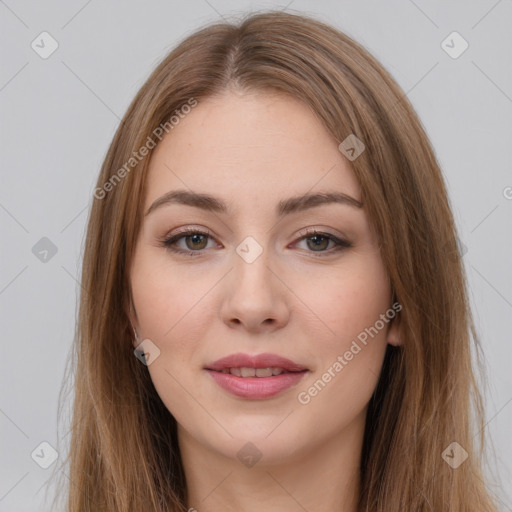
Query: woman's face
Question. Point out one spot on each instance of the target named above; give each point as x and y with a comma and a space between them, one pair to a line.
252, 281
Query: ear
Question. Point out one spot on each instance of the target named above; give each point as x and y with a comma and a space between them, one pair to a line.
393, 336
134, 336
132, 319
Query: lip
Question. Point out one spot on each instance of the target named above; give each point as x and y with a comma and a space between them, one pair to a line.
256, 388
241, 360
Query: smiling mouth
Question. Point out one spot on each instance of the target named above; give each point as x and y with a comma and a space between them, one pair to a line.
256, 383
255, 372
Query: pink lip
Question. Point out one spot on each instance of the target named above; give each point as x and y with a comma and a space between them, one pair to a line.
256, 388
240, 360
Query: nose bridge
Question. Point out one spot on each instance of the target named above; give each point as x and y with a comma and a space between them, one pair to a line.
251, 273
254, 295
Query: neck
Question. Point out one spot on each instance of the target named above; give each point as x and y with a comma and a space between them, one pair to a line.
324, 476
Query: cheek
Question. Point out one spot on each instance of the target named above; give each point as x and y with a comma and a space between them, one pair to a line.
349, 301
168, 301
170, 311
351, 360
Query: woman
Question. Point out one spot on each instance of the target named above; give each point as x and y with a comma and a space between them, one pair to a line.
271, 237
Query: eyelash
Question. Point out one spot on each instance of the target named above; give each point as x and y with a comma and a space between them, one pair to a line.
167, 243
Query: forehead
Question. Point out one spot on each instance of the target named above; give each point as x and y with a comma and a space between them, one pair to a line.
248, 148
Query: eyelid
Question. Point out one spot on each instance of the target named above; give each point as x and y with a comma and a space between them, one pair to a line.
191, 229
311, 231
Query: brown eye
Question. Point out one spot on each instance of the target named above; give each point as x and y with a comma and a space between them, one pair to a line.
195, 242
318, 242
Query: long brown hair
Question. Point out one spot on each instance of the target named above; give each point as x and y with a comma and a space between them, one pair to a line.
124, 454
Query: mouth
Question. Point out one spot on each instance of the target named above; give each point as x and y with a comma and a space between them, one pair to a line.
255, 377
247, 372
261, 363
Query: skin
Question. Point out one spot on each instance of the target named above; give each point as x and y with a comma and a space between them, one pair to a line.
253, 150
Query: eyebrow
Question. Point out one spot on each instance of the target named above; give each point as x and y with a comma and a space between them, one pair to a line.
285, 207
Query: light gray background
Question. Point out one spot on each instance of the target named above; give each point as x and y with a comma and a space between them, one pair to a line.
59, 115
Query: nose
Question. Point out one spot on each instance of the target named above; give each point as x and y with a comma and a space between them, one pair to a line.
254, 296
